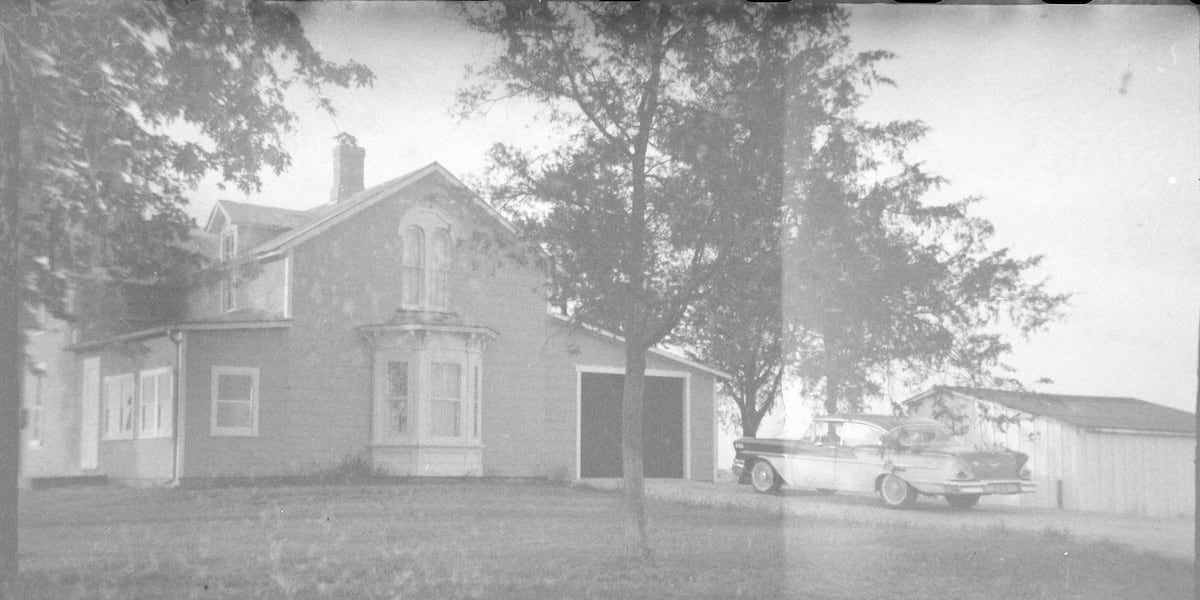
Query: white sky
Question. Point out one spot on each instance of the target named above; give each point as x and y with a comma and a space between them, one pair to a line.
1026, 109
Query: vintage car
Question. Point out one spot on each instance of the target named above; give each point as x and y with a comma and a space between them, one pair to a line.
897, 457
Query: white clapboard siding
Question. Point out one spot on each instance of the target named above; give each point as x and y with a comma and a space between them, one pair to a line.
1125, 472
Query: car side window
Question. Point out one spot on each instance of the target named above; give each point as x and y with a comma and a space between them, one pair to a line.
859, 434
823, 433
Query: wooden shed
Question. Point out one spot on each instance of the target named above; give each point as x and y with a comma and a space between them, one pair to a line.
1090, 453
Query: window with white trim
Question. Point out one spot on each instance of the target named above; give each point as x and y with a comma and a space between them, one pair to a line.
234, 401
475, 409
412, 270
439, 269
155, 402
35, 410
426, 257
228, 294
228, 285
229, 244
397, 419
445, 399
118, 407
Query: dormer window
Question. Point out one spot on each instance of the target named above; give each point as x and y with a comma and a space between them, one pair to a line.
228, 286
425, 262
229, 244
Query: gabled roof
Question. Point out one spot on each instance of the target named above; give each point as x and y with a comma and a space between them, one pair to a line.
1096, 412
608, 335
324, 217
242, 213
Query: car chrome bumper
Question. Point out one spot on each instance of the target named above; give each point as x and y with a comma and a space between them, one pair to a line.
739, 466
1013, 486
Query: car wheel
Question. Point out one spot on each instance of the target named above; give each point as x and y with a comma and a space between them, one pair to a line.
896, 493
962, 501
763, 478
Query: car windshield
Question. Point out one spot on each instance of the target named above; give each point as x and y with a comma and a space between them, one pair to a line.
921, 434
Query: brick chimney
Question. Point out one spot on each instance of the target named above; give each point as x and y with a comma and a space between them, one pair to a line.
347, 171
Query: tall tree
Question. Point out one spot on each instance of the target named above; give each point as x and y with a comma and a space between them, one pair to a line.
784, 93
109, 113
638, 222
881, 280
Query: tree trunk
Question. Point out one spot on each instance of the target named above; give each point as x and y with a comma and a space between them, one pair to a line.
831, 393
751, 417
632, 398
11, 343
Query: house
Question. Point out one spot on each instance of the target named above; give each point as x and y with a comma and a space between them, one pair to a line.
404, 324
1090, 453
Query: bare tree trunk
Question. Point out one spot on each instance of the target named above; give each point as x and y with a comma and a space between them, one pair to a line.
636, 543
831, 393
11, 343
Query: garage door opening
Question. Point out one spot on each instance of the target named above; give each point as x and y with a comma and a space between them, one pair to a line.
600, 426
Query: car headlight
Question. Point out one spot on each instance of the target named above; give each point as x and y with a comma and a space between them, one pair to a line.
1026, 474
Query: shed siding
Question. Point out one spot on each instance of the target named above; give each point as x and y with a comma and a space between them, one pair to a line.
1138, 474
1129, 473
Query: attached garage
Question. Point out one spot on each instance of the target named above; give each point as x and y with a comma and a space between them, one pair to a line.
664, 424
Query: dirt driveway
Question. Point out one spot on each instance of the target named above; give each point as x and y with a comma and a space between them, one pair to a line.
1170, 537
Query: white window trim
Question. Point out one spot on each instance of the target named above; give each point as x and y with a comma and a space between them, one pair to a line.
687, 411
232, 232
252, 430
429, 222
37, 413
164, 430
463, 438
228, 291
120, 434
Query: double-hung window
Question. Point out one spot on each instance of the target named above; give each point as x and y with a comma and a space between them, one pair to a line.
446, 399
439, 269
155, 403
234, 401
397, 398
118, 407
36, 410
412, 274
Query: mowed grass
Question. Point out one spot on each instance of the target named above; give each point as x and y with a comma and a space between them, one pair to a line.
490, 540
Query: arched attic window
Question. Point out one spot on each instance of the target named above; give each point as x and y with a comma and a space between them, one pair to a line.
426, 258
439, 269
412, 278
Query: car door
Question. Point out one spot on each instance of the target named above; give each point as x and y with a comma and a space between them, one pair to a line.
859, 457
811, 462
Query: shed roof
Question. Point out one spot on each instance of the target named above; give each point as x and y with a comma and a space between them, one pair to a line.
1102, 412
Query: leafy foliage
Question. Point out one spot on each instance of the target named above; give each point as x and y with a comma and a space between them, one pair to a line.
878, 280
646, 203
109, 112
119, 108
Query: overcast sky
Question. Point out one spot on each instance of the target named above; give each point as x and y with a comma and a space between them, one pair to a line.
1079, 125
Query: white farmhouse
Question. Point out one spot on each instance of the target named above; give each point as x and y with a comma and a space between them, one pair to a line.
1090, 453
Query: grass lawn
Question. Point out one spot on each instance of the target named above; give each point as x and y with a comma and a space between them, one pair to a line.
489, 540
